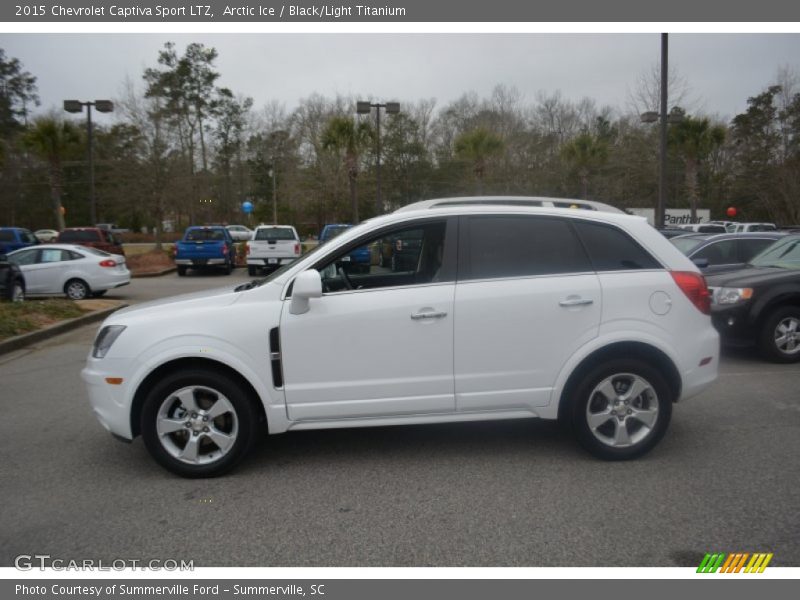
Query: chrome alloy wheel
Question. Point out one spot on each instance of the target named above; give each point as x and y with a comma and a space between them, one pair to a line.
622, 410
197, 425
787, 336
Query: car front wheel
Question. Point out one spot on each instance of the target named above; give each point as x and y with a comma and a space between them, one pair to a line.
779, 339
621, 409
198, 423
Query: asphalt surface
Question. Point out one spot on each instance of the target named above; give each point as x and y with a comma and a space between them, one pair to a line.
517, 493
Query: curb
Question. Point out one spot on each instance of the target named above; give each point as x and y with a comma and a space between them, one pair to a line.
26, 339
154, 274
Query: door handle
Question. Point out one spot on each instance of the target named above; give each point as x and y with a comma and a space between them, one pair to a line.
428, 315
576, 302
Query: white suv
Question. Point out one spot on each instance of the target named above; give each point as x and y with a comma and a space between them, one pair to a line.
510, 309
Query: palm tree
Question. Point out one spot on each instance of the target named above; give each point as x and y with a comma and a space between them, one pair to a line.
342, 135
51, 139
478, 146
586, 153
694, 140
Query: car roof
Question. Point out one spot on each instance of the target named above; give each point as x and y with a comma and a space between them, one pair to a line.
741, 235
275, 227
73, 247
515, 201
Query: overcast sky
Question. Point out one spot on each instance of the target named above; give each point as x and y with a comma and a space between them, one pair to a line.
722, 70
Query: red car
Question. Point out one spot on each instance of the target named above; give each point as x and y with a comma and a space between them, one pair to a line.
94, 237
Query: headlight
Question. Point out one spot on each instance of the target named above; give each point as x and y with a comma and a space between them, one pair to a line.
726, 295
105, 339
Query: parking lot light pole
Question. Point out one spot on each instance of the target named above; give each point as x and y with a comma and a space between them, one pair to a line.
76, 106
391, 108
663, 119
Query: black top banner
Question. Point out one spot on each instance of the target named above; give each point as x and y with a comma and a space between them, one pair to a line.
220, 11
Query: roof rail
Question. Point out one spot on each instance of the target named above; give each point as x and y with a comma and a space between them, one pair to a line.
511, 201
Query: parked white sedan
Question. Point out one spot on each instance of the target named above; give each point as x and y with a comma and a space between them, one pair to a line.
77, 271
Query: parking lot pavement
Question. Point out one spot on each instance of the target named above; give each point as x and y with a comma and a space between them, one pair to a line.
517, 493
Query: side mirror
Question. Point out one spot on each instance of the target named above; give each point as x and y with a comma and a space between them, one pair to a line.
306, 285
700, 263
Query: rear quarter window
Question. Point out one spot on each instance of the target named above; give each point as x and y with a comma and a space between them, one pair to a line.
611, 249
274, 234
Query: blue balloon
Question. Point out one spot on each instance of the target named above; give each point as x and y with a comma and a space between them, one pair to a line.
247, 207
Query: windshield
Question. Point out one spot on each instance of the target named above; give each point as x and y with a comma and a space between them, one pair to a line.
784, 254
686, 244
332, 231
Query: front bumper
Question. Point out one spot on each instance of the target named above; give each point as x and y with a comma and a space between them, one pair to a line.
733, 324
108, 401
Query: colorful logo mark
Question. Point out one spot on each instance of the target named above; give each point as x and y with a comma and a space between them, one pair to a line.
734, 563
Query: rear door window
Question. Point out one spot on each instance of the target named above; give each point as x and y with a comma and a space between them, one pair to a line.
520, 246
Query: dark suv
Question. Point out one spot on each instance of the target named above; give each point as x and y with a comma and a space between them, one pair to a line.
760, 304
93, 237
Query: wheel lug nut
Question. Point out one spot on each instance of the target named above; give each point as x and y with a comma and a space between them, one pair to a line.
630, 411
187, 424
205, 429
194, 433
194, 415
205, 418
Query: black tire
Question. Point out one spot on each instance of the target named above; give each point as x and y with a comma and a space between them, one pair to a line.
181, 271
77, 289
99, 294
779, 336
241, 423
252, 271
228, 268
622, 434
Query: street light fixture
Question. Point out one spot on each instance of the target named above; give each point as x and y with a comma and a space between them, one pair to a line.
391, 108
76, 106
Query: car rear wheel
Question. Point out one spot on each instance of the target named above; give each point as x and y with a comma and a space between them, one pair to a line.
621, 409
181, 271
252, 271
77, 289
779, 339
198, 423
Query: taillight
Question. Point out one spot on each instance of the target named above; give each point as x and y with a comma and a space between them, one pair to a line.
224, 250
247, 248
297, 249
694, 286
108, 263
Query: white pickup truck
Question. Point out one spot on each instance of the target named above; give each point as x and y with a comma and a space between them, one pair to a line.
272, 246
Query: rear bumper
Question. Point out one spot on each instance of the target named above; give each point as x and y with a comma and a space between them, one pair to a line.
270, 262
200, 262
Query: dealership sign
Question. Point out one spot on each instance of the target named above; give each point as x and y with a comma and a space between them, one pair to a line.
674, 216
